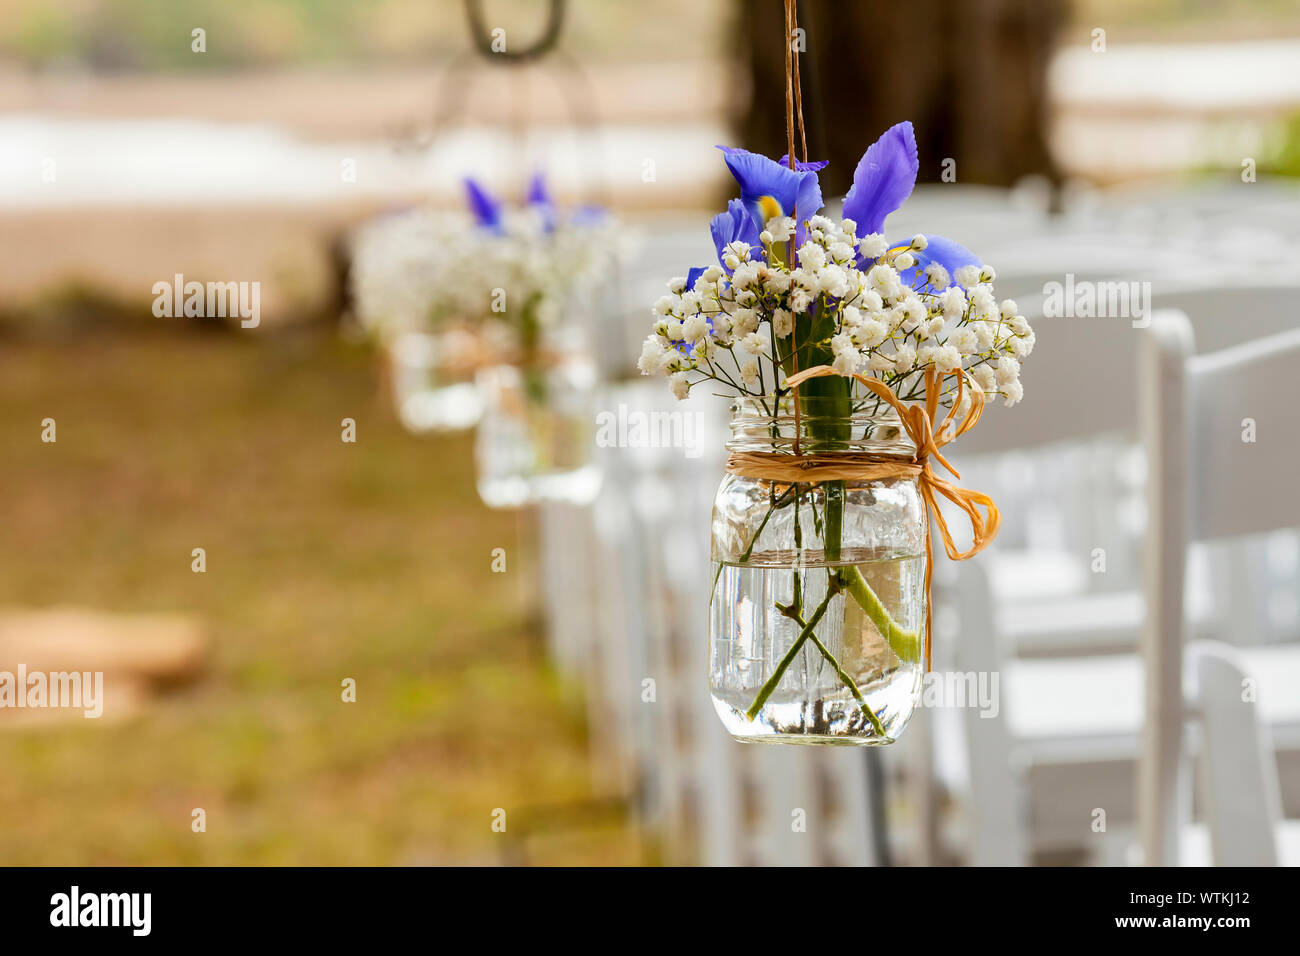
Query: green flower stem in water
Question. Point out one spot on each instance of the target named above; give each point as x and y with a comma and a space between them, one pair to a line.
530, 337
770, 685
906, 644
842, 579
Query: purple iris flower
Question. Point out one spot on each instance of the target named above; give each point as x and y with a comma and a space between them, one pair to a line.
769, 189
816, 167
734, 225
540, 198
485, 206
884, 178
946, 252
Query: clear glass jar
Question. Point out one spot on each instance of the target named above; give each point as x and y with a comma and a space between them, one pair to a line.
432, 378
818, 611
536, 437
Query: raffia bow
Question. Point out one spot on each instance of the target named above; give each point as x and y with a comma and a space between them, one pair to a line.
919, 422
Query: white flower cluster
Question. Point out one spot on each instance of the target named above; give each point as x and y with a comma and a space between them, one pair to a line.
865, 307
419, 269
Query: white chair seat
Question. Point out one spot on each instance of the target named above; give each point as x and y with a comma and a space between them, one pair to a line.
1064, 710
1095, 622
1021, 574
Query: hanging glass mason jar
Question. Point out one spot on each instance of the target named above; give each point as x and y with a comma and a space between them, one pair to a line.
536, 437
432, 378
818, 607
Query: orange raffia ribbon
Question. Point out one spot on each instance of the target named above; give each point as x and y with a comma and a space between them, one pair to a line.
919, 421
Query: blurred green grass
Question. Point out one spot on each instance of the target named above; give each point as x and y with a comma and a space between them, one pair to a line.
325, 560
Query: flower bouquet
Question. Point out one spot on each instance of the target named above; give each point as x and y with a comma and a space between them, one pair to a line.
853, 359
487, 301
406, 302
528, 269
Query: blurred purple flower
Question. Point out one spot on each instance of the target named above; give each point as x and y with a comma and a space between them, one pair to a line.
486, 208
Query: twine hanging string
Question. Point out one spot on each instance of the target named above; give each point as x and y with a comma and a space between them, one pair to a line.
919, 423
793, 109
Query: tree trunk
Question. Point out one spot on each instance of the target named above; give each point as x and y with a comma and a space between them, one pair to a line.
970, 74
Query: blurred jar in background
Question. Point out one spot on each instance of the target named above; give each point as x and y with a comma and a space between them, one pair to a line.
432, 376
536, 434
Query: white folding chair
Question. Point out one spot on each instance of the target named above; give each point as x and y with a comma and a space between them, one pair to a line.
1205, 482
1237, 772
1073, 723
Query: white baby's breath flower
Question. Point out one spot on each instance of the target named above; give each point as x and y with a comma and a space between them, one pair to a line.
652, 353
879, 362
964, 340
987, 273
781, 228
749, 373
745, 275
677, 285
694, 327
833, 281
936, 276
915, 307
967, 277
987, 379
1008, 370
1009, 308
778, 282
744, 321
919, 242
812, 256
673, 329
782, 323
680, 385
884, 280
873, 246
739, 249
871, 333
848, 362
947, 358
1013, 392
840, 251
871, 301
904, 359
953, 301
665, 303
752, 344
904, 261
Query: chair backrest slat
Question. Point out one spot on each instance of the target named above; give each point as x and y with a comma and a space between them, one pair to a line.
1238, 774
1244, 403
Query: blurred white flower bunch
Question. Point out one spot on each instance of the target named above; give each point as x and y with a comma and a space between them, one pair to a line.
789, 295
515, 270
